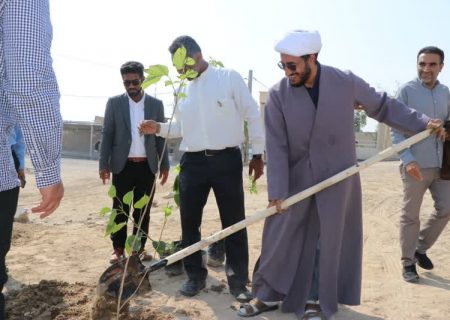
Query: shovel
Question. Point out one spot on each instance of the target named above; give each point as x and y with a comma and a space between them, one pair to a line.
110, 280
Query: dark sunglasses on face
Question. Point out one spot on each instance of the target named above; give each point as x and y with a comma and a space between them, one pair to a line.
292, 66
135, 82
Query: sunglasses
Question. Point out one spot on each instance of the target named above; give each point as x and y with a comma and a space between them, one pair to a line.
135, 82
292, 66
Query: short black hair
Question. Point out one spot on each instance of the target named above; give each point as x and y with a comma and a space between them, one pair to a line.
132, 67
434, 50
188, 42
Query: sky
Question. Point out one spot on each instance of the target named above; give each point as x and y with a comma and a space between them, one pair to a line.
376, 39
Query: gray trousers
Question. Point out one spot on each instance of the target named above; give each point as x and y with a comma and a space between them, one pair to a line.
412, 237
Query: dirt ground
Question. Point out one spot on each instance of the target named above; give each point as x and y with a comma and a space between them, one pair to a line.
54, 264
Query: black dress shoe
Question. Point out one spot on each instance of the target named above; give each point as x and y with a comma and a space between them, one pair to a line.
216, 254
423, 261
192, 287
174, 269
410, 274
241, 294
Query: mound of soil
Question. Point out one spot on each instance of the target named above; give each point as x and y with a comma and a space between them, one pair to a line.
57, 300
50, 300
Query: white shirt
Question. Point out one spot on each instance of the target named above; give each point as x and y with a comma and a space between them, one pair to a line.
213, 113
137, 148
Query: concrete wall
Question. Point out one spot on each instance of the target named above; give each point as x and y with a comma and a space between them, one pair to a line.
369, 144
366, 144
81, 140
175, 154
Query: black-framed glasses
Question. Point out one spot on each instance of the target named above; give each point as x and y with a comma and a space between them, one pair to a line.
292, 66
134, 82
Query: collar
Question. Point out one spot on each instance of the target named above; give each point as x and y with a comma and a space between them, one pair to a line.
423, 85
204, 73
317, 79
136, 102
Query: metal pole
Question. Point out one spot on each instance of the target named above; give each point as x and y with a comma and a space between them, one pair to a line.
246, 142
250, 80
90, 143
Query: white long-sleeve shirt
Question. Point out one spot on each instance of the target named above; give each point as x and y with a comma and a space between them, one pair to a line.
213, 113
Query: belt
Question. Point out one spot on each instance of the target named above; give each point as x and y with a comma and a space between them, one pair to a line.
210, 153
137, 159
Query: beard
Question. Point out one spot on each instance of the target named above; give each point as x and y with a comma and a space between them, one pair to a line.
134, 93
303, 78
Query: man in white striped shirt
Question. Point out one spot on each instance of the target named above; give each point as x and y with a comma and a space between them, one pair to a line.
29, 96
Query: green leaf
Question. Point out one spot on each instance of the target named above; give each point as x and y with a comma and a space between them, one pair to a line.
190, 61
112, 191
104, 211
154, 74
112, 227
167, 211
129, 248
160, 247
128, 197
176, 197
149, 81
191, 74
168, 83
252, 186
142, 202
179, 58
177, 169
176, 184
157, 70
215, 63
117, 227
176, 187
182, 95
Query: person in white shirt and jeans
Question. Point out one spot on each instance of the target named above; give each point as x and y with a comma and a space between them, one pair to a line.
211, 123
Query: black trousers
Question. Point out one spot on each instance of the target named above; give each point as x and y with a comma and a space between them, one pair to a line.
223, 174
138, 177
8, 206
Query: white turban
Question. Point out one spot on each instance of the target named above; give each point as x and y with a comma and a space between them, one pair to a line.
299, 43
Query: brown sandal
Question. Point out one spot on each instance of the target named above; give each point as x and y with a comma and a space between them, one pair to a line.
255, 308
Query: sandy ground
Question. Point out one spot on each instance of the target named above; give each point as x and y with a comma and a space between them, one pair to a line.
68, 251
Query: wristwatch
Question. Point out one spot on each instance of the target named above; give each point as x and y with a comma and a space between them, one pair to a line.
257, 156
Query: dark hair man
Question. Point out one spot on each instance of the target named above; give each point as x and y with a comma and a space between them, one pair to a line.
420, 165
132, 158
210, 122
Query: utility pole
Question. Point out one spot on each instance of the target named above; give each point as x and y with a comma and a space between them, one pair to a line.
246, 142
250, 80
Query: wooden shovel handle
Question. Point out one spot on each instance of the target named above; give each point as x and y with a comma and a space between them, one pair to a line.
291, 200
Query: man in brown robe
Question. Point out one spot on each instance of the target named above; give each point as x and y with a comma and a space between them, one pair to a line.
310, 137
